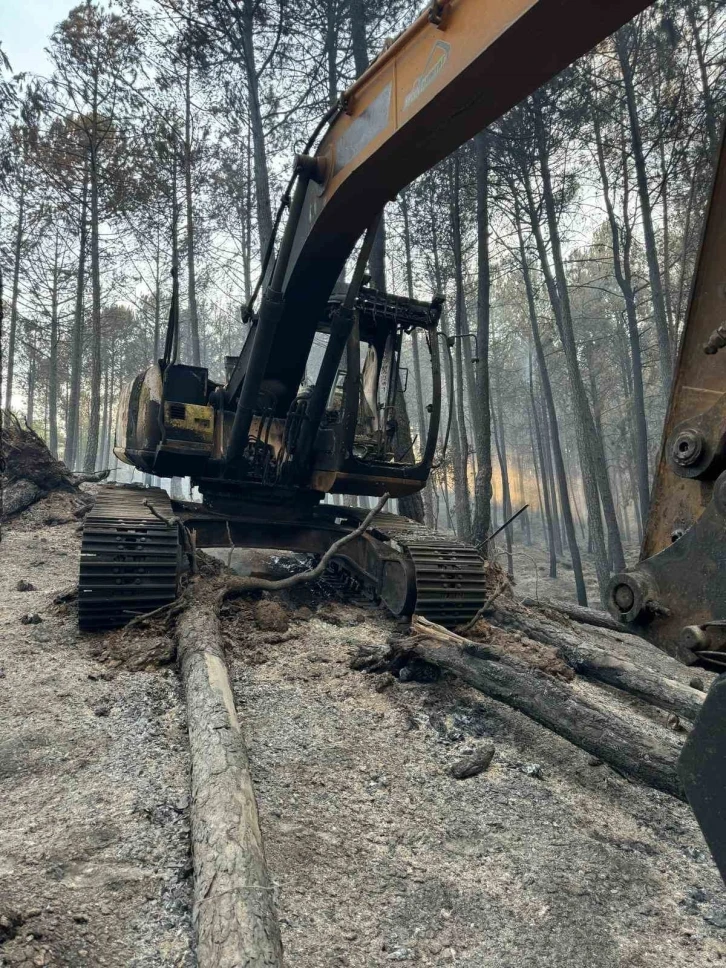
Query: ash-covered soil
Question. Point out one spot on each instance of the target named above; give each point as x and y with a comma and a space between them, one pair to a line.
378, 854
94, 846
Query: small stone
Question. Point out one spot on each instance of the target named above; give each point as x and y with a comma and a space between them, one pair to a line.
304, 614
594, 761
401, 954
25, 586
533, 769
271, 616
384, 682
474, 763
181, 804
31, 618
717, 919
79, 917
696, 683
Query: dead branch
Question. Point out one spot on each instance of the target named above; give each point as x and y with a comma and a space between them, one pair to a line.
239, 586
578, 613
486, 606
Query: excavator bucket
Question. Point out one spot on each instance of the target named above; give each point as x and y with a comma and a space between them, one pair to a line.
702, 769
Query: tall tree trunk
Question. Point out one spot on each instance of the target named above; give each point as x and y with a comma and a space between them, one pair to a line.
537, 481
262, 176
428, 497
549, 470
72, 445
32, 374
89, 463
14, 293
483, 482
110, 375
710, 114
157, 299
501, 448
623, 277
538, 453
552, 414
464, 516
462, 316
332, 24
192, 278
624, 41
105, 429
53, 356
247, 225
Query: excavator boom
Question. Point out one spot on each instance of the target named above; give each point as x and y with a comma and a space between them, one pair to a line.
461, 65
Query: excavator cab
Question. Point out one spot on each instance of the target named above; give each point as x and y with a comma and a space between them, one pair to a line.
174, 421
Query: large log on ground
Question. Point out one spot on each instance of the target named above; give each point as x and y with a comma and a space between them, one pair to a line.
578, 613
592, 655
595, 663
645, 667
234, 913
634, 752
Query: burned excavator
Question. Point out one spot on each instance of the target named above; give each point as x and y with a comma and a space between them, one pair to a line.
267, 446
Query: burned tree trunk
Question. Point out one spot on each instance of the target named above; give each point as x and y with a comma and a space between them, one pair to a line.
634, 752
234, 914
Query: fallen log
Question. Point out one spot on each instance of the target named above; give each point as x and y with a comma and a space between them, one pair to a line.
632, 751
668, 694
624, 646
597, 661
578, 613
234, 913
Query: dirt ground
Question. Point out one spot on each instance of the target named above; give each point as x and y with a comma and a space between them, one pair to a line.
377, 853
94, 852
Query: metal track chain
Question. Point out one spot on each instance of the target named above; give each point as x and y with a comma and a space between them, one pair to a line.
129, 557
450, 575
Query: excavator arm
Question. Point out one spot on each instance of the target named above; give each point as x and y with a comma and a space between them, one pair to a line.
458, 67
676, 595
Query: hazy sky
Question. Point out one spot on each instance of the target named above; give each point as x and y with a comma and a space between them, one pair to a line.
25, 27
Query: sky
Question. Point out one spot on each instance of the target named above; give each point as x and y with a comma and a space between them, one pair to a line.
25, 27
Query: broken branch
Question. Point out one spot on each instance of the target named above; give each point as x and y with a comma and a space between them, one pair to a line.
238, 586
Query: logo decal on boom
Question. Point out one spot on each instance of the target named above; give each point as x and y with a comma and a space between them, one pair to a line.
434, 66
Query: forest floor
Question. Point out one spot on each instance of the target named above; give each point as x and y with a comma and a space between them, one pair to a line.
377, 853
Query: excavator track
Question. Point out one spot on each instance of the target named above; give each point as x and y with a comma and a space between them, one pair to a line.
129, 557
450, 576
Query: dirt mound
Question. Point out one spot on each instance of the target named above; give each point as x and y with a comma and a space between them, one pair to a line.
30, 472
